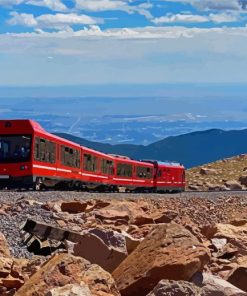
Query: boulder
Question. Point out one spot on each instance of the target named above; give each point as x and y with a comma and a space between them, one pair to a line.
194, 187
169, 252
12, 275
165, 217
243, 179
212, 286
73, 207
63, 269
70, 290
125, 212
111, 214
12, 283
4, 248
238, 277
217, 187
236, 235
106, 248
5, 266
233, 185
175, 288
208, 171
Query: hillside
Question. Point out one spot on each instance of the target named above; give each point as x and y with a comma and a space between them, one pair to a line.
191, 149
226, 174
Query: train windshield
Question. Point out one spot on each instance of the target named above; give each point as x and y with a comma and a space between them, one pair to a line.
15, 148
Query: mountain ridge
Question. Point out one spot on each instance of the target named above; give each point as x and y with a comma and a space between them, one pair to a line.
191, 149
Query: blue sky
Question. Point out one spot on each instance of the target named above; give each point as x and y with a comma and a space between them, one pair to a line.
92, 42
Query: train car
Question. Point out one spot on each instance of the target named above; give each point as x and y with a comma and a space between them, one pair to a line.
29, 156
168, 176
15, 152
133, 175
98, 171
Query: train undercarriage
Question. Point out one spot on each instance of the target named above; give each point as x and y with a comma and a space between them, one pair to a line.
36, 183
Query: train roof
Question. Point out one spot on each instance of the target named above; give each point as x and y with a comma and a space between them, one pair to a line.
164, 163
97, 152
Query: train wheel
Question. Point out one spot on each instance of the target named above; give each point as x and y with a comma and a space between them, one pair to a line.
38, 185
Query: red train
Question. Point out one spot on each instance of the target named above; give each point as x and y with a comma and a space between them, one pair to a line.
31, 157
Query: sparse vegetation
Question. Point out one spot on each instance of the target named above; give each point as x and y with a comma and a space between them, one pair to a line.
225, 174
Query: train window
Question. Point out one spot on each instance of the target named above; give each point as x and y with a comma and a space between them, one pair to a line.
124, 170
144, 172
159, 174
44, 150
36, 148
90, 162
70, 157
107, 167
15, 148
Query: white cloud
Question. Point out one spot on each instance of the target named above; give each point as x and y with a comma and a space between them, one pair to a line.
193, 18
55, 5
22, 19
101, 5
224, 17
147, 33
213, 4
121, 5
55, 21
10, 2
176, 18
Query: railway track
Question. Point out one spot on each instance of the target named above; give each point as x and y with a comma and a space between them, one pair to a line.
56, 195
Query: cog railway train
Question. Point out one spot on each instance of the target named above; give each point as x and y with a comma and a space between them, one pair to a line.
30, 157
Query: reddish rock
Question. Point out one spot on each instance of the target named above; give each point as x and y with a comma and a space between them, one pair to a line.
111, 214
238, 222
175, 288
127, 211
236, 235
212, 286
70, 290
142, 220
168, 252
238, 277
106, 248
5, 266
4, 248
73, 207
100, 204
165, 217
64, 269
12, 283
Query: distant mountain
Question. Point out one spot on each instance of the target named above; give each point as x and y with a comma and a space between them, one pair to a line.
191, 149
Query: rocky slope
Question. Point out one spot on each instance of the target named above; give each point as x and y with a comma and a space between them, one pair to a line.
226, 174
104, 244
